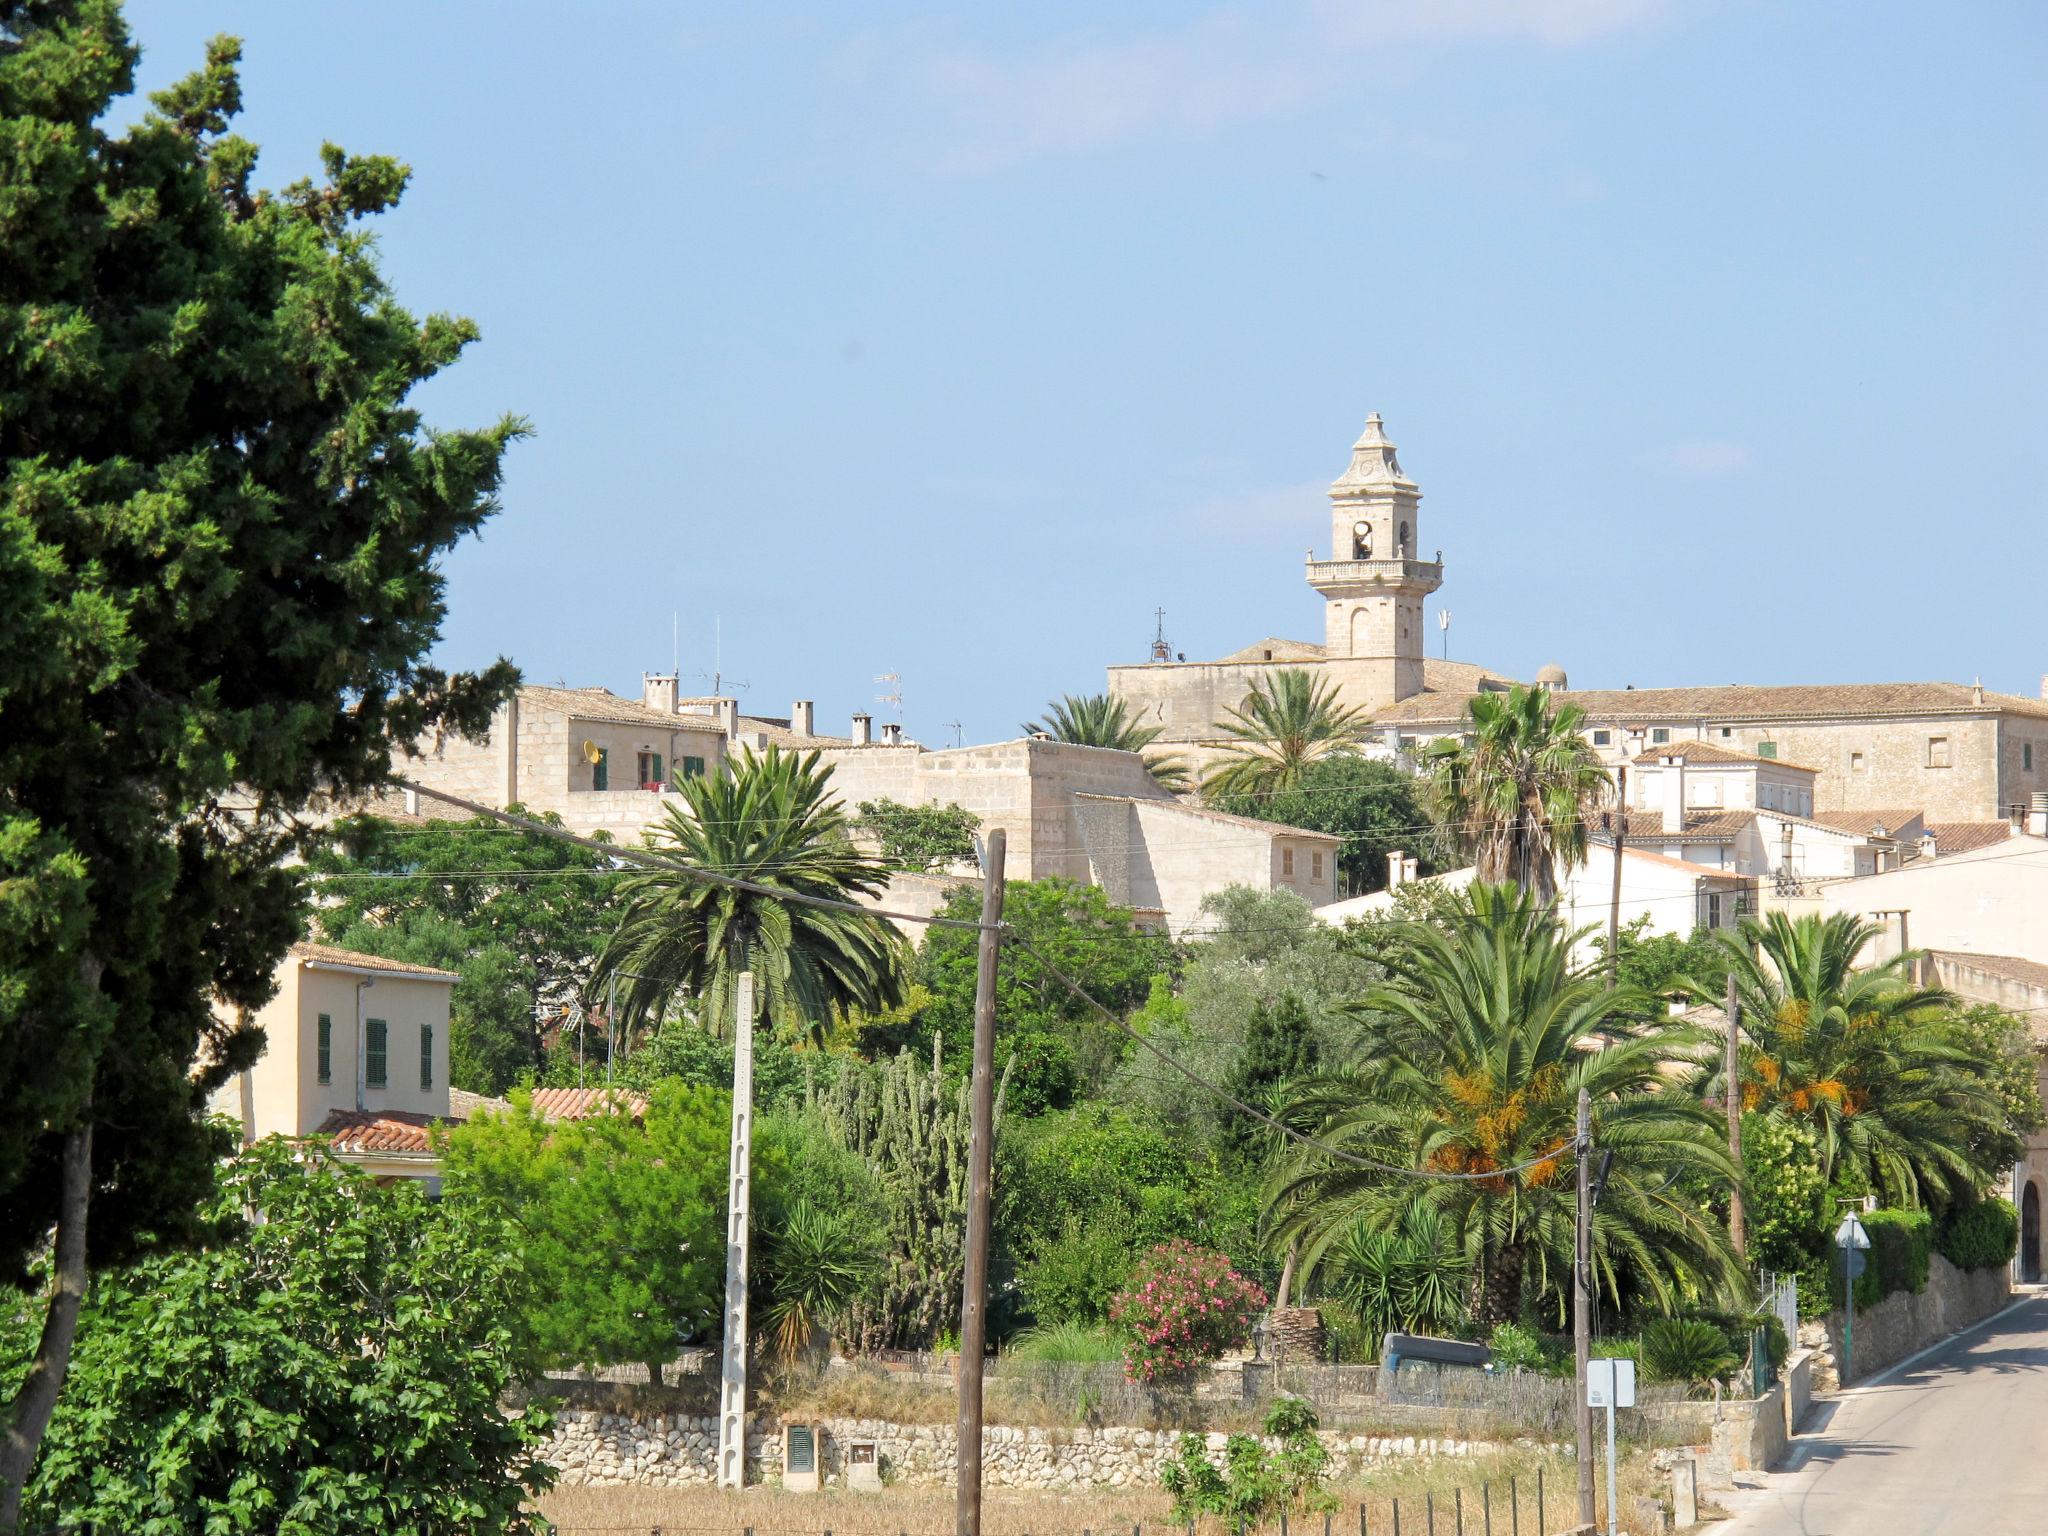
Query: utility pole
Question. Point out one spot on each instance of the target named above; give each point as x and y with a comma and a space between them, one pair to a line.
732, 1381
1620, 842
981, 1146
1582, 1306
1738, 1230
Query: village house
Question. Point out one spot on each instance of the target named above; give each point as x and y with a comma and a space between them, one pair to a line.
355, 1048
1956, 752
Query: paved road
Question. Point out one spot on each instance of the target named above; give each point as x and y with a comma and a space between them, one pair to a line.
1955, 1444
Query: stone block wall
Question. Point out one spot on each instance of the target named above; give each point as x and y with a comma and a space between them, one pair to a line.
678, 1450
1903, 1323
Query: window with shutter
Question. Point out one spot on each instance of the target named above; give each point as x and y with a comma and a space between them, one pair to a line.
374, 1053
325, 1049
426, 1056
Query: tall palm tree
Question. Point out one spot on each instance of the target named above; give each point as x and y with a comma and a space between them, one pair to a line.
767, 821
1288, 721
1516, 792
1468, 1060
1102, 720
1863, 1057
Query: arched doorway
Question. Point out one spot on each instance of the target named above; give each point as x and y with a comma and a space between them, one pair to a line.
2030, 1232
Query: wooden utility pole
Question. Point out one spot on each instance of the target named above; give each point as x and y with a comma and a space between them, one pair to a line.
1738, 1231
1620, 842
1582, 1307
981, 1147
732, 1380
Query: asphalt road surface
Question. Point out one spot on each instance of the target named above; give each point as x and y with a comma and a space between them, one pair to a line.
1954, 1444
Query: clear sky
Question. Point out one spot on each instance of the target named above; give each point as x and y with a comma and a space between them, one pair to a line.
953, 340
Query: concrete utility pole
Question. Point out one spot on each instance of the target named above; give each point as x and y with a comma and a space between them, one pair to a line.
1582, 1306
732, 1383
1738, 1230
1620, 842
981, 1146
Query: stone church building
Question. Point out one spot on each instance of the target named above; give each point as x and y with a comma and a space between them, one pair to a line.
1948, 752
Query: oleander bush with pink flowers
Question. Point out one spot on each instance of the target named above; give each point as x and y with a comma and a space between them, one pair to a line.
1182, 1308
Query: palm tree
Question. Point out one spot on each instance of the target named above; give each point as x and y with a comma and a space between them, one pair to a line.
1468, 1060
1515, 793
1288, 721
1101, 720
1865, 1058
767, 821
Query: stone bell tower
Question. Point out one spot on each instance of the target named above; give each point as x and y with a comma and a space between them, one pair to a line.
1374, 582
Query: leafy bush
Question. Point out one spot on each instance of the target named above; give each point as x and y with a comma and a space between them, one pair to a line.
1687, 1349
336, 1362
1076, 1276
1738, 1325
1785, 1194
1252, 1485
1516, 1348
1980, 1236
919, 838
1184, 1306
1900, 1244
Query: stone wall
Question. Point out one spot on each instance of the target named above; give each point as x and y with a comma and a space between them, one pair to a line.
677, 1450
1904, 1323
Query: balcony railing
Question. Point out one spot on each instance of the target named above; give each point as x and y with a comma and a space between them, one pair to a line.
1366, 572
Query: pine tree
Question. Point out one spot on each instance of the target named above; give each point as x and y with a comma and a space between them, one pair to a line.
220, 527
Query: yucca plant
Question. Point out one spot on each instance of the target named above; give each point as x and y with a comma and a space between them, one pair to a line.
820, 1264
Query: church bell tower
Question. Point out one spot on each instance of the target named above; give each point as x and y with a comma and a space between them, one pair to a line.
1374, 582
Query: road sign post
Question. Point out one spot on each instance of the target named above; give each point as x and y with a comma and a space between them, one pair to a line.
1854, 1243
1610, 1384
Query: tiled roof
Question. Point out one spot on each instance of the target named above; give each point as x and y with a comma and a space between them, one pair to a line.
779, 734
379, 1130
1710, 826
2011, 967
582, 1103
1711, 752
1181, 807
464, 1105
1865, 823
1963, 836
1273, 648
1742, 702
603, 704
328, 954
1706, 870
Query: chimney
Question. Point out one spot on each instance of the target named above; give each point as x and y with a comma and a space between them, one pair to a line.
1396, 868
1410, 867
658, 692
800, 718
863, 729
412, 802
729, 718
2037, 813
892, 734
1977, 691
1674, 793
1927, 849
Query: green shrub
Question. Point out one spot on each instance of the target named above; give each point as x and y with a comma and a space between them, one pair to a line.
1516, 1348
1687, 1349
1980, 1236
1252, 1486
1738, 1325
1066, 1344
1901, 1242
1075, 1276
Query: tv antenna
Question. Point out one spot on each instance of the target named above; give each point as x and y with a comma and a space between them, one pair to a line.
1161, 651
893, 682
1443, 622
716, 676
954, 727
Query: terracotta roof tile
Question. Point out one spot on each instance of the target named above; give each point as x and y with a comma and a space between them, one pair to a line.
1864, 823
1711, 826
1736, 703
603, 704
582, 1103
464, 1105
1711, 752
329, 954
379, 1130
1964, 836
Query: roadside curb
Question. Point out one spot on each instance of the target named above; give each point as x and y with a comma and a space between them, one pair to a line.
1867, 1383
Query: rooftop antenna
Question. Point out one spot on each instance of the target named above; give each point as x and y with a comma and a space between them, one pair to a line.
954, 727
1161, 651
717, 672
1443, 622
894, 695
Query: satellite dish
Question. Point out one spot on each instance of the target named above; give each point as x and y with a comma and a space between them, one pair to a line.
591, 753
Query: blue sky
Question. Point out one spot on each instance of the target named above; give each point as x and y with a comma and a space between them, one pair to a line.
951, 341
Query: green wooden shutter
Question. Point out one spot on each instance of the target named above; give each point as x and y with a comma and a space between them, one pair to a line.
600, 771
426, 1056
658, 778
326, 1049
374, 1054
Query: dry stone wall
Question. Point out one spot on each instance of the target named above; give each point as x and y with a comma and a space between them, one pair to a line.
1903, 1322
678, 1450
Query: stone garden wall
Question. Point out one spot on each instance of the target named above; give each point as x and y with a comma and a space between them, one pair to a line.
677, 1450
1903, 1323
